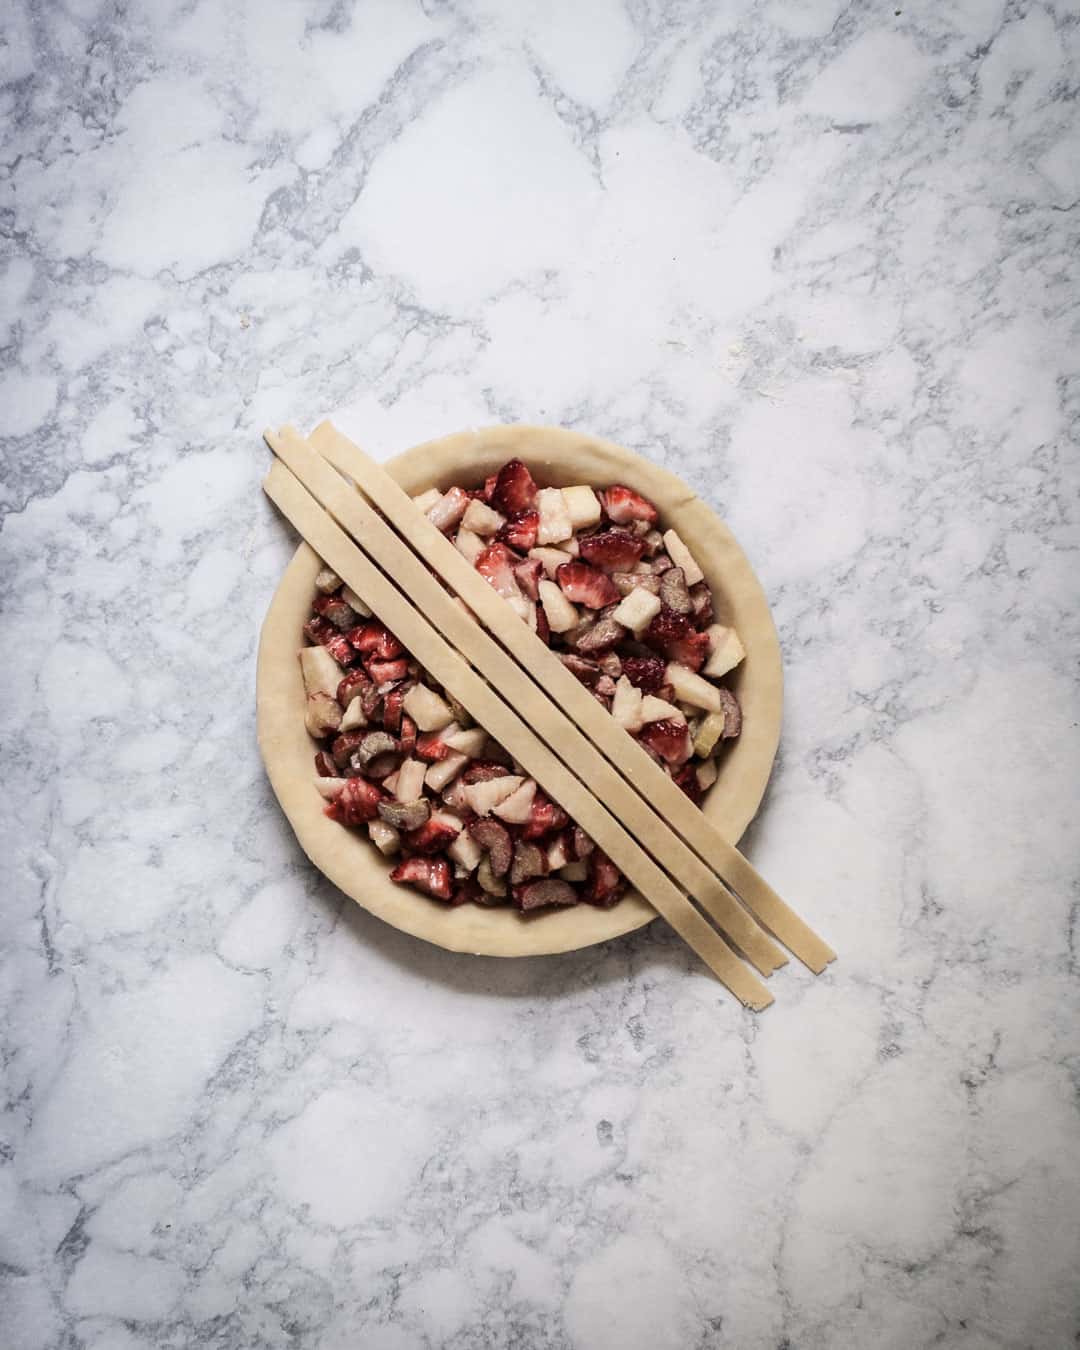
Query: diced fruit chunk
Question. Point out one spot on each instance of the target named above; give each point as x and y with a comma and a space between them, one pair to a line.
426, 500
554, 522
445, 771
520, 531
431, 875
670, 739
481, 519
410, 780
485, 796
468, 544
514, 489
623, 504
327, 581
584, 585
691, 688
655, 709
542, 894
559, 612
469, 742
321, 672
465, 851
385, 838
708, 733
496, 566
551, 559
626, 709
544, 816
494, 839
681, 556
449, 509
406, 815
322, 715
606, 882
517, 808
637, 610
427, 709
725, 650
582, 505
612, 550
437, 832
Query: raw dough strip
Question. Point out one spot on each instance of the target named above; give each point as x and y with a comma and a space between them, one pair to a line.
451, 670
544, 717
661, 792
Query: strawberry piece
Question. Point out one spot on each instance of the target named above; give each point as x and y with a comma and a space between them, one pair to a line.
544, 816
691, 650
612, 550
326, 635
466, 892
431, 747
488, 490
520, 531
622, 504
391, 715
432, 837
543, 628
383, 672
668, 738
687, 779
353, 684
584, 585
335, 610
496, 565
605, 884
480, 770
407, 739
528, 574
647, 672
357, 802
430, 875
325, 766
515, 490
667, 627
581, 844
373, 638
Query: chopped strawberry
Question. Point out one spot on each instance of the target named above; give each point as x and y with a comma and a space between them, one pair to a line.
431, 747
357, 802
325, 766
337, 611
326, 635
354, 683
432, 837
528, 574
647, 672
543, 628
667, 627
612, 550
431, 875
407, 739
581, 844
622, 504
687, 779
480, 770
691, 650
488, 490
668, 738
544, 816
605, 884
520, 531
383, 672
373, 638
342, 747
584, 585
496, 566
391, 716
514, 489
466, 892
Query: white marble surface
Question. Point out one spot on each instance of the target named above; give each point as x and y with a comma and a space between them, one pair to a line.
821, 260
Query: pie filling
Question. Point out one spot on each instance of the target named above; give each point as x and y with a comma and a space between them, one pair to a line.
626, 608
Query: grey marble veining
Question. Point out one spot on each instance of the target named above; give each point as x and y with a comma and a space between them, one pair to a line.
819, 259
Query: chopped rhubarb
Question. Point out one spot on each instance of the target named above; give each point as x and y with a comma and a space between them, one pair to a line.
336, 610
324, 634
543, 894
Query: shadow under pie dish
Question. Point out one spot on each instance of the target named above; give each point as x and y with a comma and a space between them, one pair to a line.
555, 459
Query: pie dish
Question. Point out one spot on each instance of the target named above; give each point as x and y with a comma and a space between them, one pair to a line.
556, 458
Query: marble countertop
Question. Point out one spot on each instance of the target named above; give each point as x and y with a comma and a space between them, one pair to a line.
821, 260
